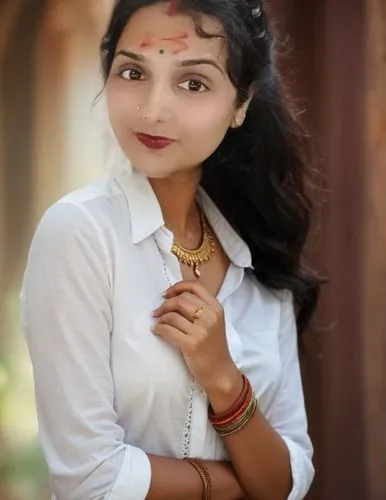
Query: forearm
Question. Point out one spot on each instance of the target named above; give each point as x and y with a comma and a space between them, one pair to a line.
174, 479
261, 460
259, 455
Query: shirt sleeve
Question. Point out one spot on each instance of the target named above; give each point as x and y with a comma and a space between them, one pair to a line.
67, 318
287, 414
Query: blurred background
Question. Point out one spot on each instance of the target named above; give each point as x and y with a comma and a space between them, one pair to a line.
51, 143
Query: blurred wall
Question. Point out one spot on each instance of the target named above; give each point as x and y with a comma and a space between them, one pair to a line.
51, 142
338, 67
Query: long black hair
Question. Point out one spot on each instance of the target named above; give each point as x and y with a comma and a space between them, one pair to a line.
258, 175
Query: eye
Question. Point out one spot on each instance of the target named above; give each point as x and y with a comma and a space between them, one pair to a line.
131, 74
194, 86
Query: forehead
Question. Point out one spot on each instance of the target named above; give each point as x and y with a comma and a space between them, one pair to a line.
160, 22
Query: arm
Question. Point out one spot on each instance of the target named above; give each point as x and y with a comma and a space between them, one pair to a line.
188, 486
67, 315
272, 457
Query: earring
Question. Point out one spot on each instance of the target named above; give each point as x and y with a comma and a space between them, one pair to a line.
238, 121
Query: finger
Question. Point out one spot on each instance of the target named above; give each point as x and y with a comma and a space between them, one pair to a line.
178, 322
193, 287
172, 335
185, 304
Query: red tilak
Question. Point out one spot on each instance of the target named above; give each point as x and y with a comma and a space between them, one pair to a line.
172, 8
180, 40
147, 42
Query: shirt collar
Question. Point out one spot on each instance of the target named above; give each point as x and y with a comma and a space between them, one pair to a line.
234, 246
145, 211
146, 215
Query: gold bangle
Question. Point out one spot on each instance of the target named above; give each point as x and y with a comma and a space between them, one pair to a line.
203, 472
241, 422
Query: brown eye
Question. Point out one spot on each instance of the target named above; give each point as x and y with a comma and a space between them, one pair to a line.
131, 74
194, 86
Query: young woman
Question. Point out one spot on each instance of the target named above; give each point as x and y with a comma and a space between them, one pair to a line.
159, 303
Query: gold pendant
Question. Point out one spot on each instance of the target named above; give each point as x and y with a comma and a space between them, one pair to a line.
201, 255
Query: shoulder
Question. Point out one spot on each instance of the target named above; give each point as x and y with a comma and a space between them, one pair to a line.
88, 211
71, 238
269, 308
76, 227
277, 298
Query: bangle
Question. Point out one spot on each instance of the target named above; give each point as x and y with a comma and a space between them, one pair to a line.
203, 472
241, 422
238, 416
218, 422
236, 405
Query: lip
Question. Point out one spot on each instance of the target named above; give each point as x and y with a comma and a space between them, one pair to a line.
153, 141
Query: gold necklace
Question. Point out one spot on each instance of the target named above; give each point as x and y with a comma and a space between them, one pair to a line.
194, 258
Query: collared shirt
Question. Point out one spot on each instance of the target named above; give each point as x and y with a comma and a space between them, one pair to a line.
108, 391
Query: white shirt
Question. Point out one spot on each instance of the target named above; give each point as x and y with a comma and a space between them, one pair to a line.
108, 390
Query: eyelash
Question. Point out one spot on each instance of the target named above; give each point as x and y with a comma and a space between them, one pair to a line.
140, 73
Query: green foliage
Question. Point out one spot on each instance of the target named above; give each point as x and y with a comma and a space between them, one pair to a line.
23, 472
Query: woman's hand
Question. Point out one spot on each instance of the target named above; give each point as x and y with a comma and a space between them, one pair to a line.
225, 485
193, 321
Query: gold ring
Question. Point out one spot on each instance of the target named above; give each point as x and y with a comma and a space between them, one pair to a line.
197, 313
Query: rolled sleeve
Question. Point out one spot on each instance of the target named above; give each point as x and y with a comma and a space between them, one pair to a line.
302, 470
287, 414
133, 481
67, 318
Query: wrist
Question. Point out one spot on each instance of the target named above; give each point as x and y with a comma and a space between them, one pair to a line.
225, 389
225, 484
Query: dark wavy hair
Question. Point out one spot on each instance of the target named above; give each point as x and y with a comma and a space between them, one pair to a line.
258, 175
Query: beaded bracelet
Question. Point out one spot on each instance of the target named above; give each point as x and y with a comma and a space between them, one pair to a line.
237, 417
203, 472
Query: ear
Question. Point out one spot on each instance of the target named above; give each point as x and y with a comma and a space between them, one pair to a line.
241, 112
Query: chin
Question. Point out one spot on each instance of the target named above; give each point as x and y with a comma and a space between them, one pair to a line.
155, 168
154, 171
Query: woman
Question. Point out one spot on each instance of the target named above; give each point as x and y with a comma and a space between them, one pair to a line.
159, 303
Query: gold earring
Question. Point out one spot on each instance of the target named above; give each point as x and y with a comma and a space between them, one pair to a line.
238, 121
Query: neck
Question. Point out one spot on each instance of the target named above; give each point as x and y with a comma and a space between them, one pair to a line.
177, 198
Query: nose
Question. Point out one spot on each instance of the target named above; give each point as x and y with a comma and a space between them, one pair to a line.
157, 105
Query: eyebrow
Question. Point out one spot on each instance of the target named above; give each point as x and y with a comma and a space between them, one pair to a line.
187, 63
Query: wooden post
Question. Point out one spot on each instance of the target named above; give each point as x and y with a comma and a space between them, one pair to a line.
374, 279
343, 75
17, 137
330, 53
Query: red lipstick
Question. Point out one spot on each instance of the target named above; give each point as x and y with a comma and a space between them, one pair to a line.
154, 142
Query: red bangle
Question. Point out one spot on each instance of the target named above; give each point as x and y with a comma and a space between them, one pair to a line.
241, 422
233, 417
241, 412
234, 408
227, 418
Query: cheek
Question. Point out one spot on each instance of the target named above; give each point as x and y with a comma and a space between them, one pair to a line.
209, 124
120, 104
